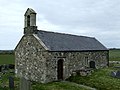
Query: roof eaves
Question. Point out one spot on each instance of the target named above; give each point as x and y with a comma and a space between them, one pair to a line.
76, 50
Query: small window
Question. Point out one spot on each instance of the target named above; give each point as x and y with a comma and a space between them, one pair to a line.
86, 60
28, 20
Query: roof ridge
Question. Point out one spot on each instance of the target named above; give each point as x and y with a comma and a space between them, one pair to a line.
66, 34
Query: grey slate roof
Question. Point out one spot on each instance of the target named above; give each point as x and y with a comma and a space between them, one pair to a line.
67, 42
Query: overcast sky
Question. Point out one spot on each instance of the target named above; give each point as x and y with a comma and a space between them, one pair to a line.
94, 18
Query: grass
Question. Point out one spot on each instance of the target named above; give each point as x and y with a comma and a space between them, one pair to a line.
7, 59
38, 86
100, 79
4, 81
114, 55
57, 86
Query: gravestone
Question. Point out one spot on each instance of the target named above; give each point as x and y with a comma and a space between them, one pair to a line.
5, 67
113, 74
11, 83
0, 68
0, 77
118, 67
118, 74
11, 66
24, 84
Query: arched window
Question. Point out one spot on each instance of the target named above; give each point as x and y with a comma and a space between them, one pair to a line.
28, 20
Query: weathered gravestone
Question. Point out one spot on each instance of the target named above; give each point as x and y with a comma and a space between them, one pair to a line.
113, 74
0, 68
5, 69
118, 74
11, 83
24, 84
11, 66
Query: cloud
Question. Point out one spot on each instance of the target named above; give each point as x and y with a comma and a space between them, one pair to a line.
100, 19
95, 18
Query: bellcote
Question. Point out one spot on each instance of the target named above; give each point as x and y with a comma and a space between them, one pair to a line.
30, 21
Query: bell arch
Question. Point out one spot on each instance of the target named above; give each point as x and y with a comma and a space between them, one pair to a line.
29, 18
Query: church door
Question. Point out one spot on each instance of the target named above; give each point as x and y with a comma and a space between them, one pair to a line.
60, 69
92, 64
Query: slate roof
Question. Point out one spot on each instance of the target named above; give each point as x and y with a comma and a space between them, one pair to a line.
67, 42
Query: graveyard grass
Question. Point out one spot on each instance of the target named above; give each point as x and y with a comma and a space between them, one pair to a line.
114, 55
7, 59
4, 81
57, 86
99, 79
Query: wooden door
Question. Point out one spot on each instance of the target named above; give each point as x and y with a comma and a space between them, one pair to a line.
60, 69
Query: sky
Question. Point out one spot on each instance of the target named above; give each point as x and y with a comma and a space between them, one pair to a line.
93, 18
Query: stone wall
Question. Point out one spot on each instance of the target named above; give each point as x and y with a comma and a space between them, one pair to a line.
73, 61
30, 59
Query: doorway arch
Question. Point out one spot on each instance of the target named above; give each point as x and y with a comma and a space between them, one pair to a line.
92, 64
60, 69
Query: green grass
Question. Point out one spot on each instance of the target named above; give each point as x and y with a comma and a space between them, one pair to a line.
38, 86
57, 86
4, 81
7, 59
100, 79
114, 55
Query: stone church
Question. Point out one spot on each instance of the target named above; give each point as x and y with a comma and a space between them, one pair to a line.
45, 56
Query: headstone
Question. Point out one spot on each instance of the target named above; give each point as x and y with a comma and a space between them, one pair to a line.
6, 67
0, 68
118, 74
0, 77
11, 83
24, 84
113, 74
118, 67
11, 66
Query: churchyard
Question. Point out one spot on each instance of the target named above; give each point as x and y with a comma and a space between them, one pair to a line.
114, 55
101, 79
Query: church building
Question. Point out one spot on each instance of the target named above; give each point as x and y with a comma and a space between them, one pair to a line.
45, 56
